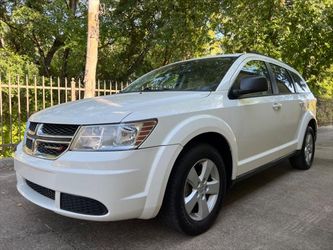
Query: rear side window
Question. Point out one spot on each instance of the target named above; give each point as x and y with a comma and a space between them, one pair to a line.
301, 86
283, 80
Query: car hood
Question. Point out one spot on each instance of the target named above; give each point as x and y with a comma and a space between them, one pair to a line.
112, 108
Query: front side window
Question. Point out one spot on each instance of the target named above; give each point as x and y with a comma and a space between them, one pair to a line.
283, 80
253, 69
195, 75
301, 86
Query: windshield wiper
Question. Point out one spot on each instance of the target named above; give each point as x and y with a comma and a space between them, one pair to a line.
150, 89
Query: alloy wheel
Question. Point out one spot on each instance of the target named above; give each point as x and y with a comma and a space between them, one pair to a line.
201, 189
308, 149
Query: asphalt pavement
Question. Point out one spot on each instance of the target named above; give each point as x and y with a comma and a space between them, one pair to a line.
279, 208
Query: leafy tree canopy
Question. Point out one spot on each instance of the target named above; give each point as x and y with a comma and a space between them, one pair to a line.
13, 65
139, 35
295, 31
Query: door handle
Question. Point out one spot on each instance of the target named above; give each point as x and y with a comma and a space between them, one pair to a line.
302, 104
277, 106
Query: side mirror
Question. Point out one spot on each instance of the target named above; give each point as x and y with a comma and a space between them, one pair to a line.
252, 84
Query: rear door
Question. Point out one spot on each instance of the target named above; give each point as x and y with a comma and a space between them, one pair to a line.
287, 105
302, 91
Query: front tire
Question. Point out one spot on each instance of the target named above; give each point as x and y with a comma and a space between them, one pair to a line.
303, 160
195, 190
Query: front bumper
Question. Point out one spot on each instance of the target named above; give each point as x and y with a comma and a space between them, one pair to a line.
121, 180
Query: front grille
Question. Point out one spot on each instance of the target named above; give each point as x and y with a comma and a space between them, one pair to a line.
81, 205
49, 193
47, 140
28, 143
33, 125
59, 129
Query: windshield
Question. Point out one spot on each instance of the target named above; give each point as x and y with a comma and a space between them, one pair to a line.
195, 75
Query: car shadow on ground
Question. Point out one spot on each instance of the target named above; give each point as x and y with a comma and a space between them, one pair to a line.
251, 184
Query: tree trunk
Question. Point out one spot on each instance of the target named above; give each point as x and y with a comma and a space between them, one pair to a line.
2, 43
92, 48
64, 69
57, 44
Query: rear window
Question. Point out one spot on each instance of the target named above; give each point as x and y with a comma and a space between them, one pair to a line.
300, 84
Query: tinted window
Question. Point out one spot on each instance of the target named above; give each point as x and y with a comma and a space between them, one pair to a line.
194, 75
251, 69
300, 84
283, 80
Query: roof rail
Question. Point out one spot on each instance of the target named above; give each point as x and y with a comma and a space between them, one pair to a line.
258, 53
255, 52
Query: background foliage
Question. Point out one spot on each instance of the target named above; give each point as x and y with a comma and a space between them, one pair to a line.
48, 38
138, 35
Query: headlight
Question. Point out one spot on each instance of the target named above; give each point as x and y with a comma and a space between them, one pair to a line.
113, 137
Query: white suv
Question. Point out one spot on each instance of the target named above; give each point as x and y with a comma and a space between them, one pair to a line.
171, 143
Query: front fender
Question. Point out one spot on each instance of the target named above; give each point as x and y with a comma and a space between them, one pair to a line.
164, 161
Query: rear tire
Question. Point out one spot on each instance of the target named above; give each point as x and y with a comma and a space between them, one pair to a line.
195, 190
303, 159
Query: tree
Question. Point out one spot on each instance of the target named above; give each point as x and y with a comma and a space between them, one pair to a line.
92, 48
43, 30
297, 32
137, 36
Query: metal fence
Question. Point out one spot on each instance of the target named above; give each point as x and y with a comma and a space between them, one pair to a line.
19, 98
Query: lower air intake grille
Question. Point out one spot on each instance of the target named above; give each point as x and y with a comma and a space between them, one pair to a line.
29, 143
81, 205
49, 193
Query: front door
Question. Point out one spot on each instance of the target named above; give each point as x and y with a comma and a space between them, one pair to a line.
255, 120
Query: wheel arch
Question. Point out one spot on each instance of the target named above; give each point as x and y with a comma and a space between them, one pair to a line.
308, 120
220, 143
313, 124
207, 129
203, 128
